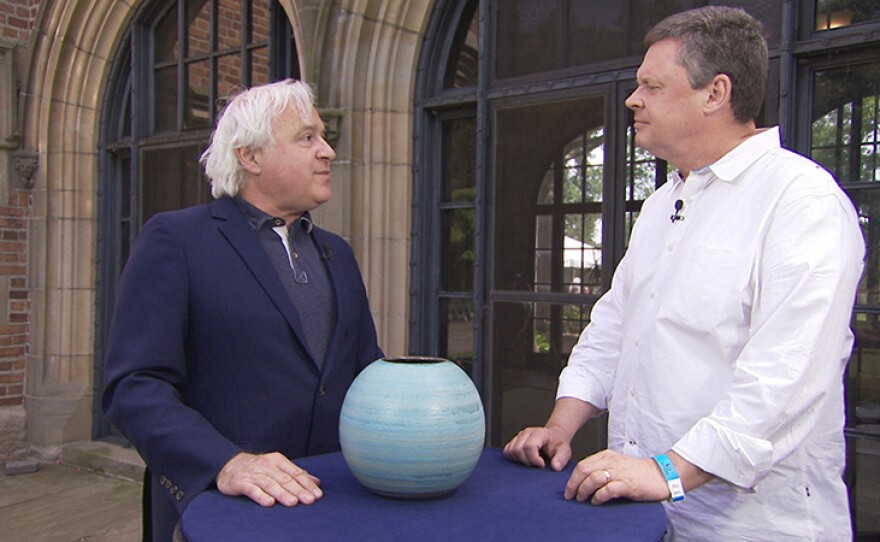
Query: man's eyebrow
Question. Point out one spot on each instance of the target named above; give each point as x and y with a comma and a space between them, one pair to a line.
305, 128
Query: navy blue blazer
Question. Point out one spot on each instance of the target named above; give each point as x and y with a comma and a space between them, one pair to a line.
206, 353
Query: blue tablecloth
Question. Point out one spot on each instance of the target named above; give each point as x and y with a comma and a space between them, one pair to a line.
500, 501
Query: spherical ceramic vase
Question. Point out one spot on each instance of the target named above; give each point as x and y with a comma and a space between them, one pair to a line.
412, 427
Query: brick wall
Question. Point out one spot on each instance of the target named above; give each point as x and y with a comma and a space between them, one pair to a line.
16, 24
17, 18
13, 290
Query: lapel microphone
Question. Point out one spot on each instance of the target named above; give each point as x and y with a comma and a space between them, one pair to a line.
677, 215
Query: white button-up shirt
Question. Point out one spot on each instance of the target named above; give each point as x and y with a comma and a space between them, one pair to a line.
725, 336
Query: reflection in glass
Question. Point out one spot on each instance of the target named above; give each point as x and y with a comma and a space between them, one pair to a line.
461, 71
166, 99
259, 66
583, 160
645, 173
531, 343
550, 194
229, 76
846, 111
198, 34
457, 271
259, 28
536, 36
459, 160
171, 179
167, 46
229, 31
831, 14
844, 139
457, 332
198, 114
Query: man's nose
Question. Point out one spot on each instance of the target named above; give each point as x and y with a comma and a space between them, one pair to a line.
632, 101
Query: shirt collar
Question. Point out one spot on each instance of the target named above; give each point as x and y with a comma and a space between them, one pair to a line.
258, 219
735, 162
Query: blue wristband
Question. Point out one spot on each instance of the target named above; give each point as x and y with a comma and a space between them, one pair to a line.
676, 489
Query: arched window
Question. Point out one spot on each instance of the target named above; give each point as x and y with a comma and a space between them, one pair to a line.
179, 61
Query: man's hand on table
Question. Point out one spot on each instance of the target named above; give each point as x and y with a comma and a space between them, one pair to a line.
535, 446
608, 475
267, 479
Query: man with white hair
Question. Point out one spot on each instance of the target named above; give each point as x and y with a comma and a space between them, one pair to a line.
239, 324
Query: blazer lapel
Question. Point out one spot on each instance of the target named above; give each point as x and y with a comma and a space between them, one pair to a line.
238, 232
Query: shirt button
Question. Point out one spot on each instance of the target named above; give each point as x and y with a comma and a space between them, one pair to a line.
670, 248
637, 342
653, 295
633, 392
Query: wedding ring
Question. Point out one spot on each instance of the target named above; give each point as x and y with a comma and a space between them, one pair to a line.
607, 476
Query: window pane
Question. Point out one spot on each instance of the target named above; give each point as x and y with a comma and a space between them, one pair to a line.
561, 153
259, 31
544, 35
527, 33
165, 38
459, 160
457, 269
832, 14
846, 120
171, 179
457, 332
768, 12
531, 343
198, 97
166, 99
229, 31
462, 68
582, 254
229, 81
645, 173
867, 204
198, 16
583, 160
259, 66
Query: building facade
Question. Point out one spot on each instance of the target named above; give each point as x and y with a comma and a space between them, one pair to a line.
485, 174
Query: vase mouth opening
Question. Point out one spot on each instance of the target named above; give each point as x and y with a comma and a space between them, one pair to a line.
414, 359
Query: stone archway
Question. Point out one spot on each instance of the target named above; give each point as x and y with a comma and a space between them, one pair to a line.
68, 63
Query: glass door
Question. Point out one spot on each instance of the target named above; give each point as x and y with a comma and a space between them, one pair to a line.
560, 215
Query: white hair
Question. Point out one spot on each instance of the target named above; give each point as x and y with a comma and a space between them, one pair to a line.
246, 123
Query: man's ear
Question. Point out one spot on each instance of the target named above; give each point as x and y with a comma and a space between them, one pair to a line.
249, 160
719, 92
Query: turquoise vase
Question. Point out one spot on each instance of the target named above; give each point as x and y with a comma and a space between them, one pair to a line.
412, 427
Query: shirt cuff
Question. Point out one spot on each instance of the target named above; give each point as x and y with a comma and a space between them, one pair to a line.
740, 459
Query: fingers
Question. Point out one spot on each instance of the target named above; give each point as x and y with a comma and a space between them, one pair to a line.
267, 479
608, 475
598, 486
526, 447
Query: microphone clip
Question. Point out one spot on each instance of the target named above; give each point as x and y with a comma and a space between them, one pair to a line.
677, 214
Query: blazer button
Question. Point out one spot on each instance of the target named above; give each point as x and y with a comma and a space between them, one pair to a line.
322, 391
162, 480
179, 495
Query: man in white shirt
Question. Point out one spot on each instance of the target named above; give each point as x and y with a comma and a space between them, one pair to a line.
720, 348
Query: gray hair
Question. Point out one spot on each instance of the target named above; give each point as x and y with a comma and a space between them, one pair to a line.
720, 40
246, 123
